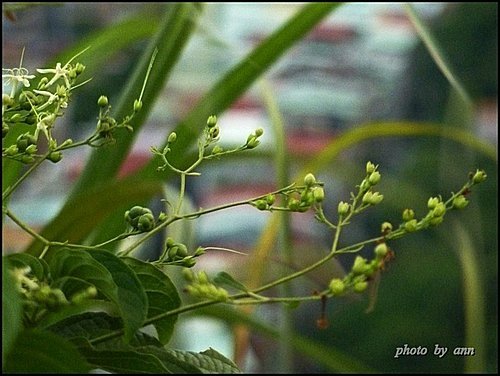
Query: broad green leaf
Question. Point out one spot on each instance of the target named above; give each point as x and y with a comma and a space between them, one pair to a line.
39, 268
71, 285
162, 295
87, 325
208, 361
132, 299
44, 352
115, 280
79, 264
224, 278
11, 310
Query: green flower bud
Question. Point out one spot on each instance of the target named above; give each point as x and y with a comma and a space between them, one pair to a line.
359, 265
336, 287
188, 275
460, 202
188, 262
319, 194
79, 67
381, 250
270, 199
12, 150
374, 178
293, 204
212, 121
55, 156
162, 217
172, 137
367, 197
386, 227
31, 149
376, 198
202, 277
343, 208
259, 132
182, 250
359, 287
411, 225
309, 180
7, 100
432, 203
261, 204
479, 176
439, 210
137, 105
252, 143
27, 159
146, 222
170, 242
370, 168
5, 130
436, 220
217, 149
408, 215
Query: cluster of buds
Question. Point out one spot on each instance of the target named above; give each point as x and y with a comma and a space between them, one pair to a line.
200, 286
39, 295
253, 139
140, 219
106, 124
372, 178
177, 254
362, 271
312, 193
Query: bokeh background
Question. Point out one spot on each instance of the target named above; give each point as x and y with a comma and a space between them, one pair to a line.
364, 64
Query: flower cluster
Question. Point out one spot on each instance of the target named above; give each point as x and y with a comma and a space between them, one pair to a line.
201, 287
177, 254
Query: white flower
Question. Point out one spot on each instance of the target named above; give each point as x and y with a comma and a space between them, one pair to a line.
15, 75
58, 73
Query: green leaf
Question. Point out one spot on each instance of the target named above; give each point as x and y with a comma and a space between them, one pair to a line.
11, 310
44, 352
162, 295
115, 280
224, 278
209, 361
39, 268
132, 299
87, 325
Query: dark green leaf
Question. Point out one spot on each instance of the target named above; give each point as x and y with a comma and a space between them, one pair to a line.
132, 299
162, 295
224, 278
11, 310
44, 352
209, 361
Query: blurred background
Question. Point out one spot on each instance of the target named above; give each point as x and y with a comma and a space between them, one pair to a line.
364, 64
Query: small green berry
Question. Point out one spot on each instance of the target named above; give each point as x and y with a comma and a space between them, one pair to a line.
146, 222
55, 156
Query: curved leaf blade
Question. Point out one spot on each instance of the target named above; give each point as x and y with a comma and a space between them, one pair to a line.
132, 299
162, 295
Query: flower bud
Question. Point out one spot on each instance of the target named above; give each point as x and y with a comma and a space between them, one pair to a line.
318, 194
359, 265
293, 204
381, 250
172, 137
27, 159
217, 149
432, 203
386, 227
408, 215
31, 149
252, 143
270, 199
343, 208
439, 210
55, 156
137, 105
367, 197
436, 220
259, 132
261, 204
309, 180
479, 176
370, 168
360, 286
212, 121
146, 222
411, 225
460, 202
336, 286
202, 277
376, 198
102, 101
374, 178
